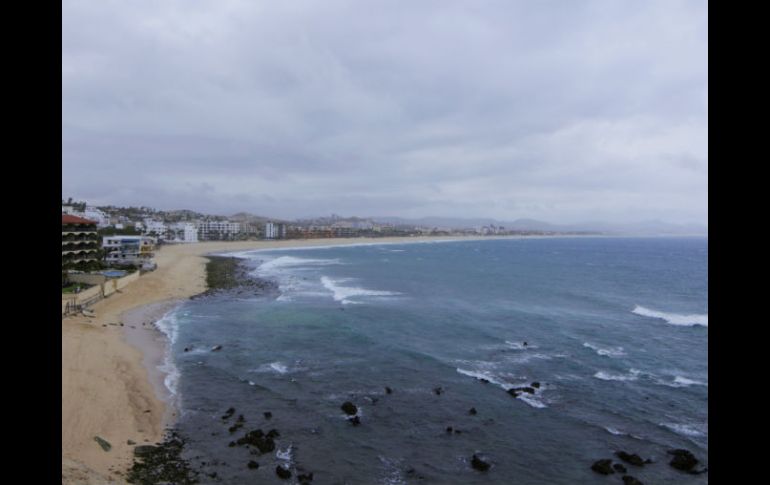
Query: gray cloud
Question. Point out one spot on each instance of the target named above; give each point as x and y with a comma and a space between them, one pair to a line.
565, 111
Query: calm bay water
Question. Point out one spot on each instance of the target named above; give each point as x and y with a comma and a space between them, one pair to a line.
616, 331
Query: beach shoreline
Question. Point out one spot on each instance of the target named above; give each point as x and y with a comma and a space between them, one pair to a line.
112, 386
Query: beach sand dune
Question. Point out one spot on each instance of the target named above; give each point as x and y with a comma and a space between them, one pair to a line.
107, 390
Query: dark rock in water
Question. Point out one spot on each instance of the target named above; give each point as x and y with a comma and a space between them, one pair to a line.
234, 428
683, 460
264, 444
305, 477
253, 465
228, 413
484, 381
187, 349
355, 420
633, 459
479, 464
438, 391
449, 429
528, 390
472, 411
629, 480
161, 463
513, 392
349, 408
619, 468
106, 446
603, 466
457, 431
525, 344
536, 385
282, 472
241, 419
231, 444
268, 414
388, 390
216, 347
273, 433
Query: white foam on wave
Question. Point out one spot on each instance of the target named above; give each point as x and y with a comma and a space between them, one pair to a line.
285, 455
273, 367
607, 376
532, 400
483, 375
519, 345
344, 294
285, 262
680, 381
688, 382
524, 358
692, 430
674, 318
169, 326
605, 351
614, 431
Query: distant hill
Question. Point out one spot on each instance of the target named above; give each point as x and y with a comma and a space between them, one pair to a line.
650, 227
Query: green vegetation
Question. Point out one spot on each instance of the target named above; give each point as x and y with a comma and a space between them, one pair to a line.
222, 273
75, 287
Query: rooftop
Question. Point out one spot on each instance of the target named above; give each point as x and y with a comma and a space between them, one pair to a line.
69, 219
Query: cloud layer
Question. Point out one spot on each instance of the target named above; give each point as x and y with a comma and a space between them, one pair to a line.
563, 111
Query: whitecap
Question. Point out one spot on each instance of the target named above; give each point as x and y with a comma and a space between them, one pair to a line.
483, 375
285, 455
605, 351
276, 367
692, 430
169, 326
519, 345
607, 376
284, 262
532, 400
673, 318
684, 381
680, 381
344, 294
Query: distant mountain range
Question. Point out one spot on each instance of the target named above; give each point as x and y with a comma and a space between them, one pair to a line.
651, 227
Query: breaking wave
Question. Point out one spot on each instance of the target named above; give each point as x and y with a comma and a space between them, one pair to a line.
674, 318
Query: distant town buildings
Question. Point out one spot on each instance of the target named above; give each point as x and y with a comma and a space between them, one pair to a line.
183, 232
275, 230
218, 230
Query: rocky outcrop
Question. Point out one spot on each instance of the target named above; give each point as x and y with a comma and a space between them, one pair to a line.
479, 464
683, 460
603, 466
633, 459
629, 480
349, 408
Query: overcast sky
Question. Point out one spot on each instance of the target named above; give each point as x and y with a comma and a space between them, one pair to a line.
564, 111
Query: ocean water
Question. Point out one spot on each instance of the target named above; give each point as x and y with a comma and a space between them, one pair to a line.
616, 332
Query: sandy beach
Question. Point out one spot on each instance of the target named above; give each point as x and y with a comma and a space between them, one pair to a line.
111, 387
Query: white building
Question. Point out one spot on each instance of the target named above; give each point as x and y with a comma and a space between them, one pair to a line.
129, 250
217, 230
275, 231
158, 227
102, 219
184, 232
